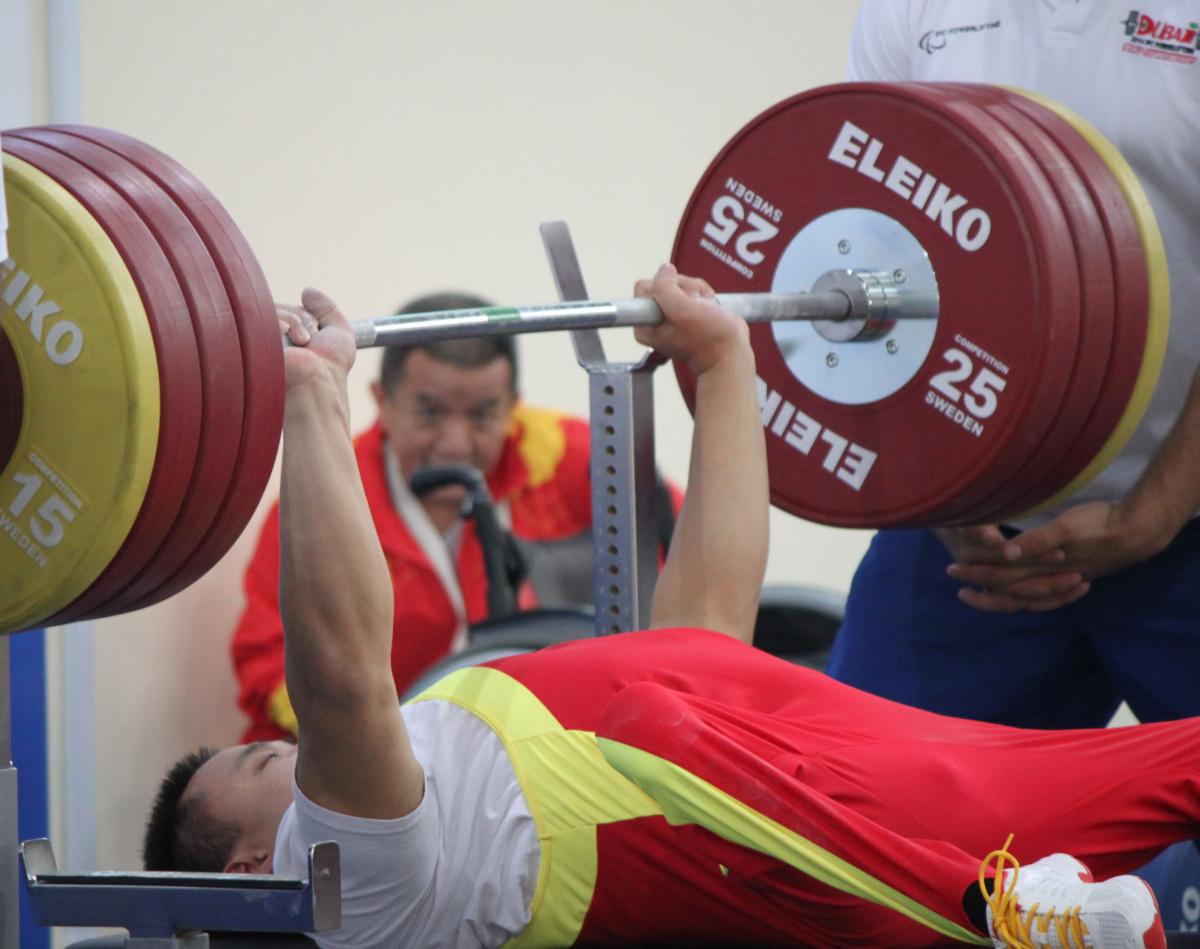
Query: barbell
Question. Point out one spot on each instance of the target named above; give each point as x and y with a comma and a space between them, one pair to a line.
959, 295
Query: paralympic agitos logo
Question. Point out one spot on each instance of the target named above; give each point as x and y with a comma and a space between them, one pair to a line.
1159, 39
934, 40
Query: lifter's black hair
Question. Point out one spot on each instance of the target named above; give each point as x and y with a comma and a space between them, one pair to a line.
184, 836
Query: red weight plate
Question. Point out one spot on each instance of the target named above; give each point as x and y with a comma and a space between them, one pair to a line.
978, 397
262, 353
220, 362
1056, 461
1003, 482
12, 400
1131, 284
174, 341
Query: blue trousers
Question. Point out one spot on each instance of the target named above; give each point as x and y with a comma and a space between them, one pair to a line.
1134, 636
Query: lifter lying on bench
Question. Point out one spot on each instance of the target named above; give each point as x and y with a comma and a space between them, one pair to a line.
673, 786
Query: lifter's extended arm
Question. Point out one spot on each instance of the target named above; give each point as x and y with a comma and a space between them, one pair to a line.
718, 554
335, 593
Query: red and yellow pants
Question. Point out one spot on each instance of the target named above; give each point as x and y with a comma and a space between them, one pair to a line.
691, 790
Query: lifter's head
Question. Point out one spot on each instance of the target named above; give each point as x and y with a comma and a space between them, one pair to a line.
218, 811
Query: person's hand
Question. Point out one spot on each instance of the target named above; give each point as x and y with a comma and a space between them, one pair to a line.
697, 330
320, 336
999, 578
1048, 566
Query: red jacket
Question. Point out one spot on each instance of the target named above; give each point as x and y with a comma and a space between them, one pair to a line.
542, 474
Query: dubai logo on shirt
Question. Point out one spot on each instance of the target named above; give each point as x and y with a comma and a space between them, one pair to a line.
934, 40
1159, 39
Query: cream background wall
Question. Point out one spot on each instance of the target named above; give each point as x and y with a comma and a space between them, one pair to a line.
384, 149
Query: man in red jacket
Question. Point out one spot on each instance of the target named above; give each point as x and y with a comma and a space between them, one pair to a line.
453, 402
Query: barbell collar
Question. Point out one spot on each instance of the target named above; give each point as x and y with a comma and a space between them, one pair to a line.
877, 301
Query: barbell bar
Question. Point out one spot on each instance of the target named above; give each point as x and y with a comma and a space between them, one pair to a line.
915, 259
863, 305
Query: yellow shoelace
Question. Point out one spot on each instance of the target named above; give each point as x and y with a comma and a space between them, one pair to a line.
1017, 931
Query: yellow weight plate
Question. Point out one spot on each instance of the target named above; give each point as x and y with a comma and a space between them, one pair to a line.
1158, 303
75, 481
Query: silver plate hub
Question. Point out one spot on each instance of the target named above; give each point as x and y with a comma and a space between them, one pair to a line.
866, 362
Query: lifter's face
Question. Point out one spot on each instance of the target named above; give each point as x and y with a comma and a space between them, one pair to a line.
439, 413
250, 786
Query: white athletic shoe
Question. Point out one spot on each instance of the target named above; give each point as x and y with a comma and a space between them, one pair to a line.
1055, 904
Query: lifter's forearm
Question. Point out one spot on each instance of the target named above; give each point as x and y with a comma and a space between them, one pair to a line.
335, 590
718, 554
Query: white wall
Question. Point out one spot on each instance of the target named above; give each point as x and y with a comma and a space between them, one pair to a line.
19, 91
384, 149
20, 43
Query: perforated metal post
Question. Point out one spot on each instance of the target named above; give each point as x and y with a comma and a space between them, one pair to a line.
624, 499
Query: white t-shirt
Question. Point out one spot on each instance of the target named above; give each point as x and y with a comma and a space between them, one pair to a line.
1139, 90
459, 871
